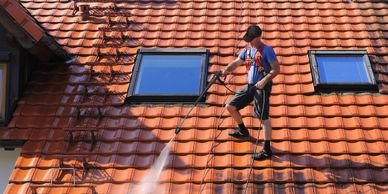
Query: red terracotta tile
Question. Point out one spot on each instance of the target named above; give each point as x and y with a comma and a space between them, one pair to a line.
357, 147
17, 188
280, 122
339, 147
340, 161
265, 175
48, 161
281, 160
149, 135
373, 134
317, 122
319, 147
346, 188
32, 147
337, 122
301, 147
12, 133
376, 147
331, 110
181, 175
304, 175
371, 122
119, 188
298, 135
102, 188
318, 134
362, 175
378, 175
38, 110
336, 134
377, 160
24, 161
165, 135
281, 147
324, 175
121, 175
295, 111
143, 161
21, 175
359, 161
221, 148
354, 135
125, 161
129, 147
130, 134
281, 134
34, 122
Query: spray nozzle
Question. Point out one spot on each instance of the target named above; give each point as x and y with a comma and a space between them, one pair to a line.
218, 73
177, 130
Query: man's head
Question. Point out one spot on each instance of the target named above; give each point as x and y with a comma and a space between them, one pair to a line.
253, 34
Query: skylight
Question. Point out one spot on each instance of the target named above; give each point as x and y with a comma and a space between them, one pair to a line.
168, 75
341, 70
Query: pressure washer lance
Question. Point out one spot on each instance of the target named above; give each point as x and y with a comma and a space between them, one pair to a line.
216, 77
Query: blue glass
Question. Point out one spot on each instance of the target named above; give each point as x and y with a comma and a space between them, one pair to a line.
169, 75
342, 69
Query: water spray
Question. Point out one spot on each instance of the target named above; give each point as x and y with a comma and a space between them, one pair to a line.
150, 182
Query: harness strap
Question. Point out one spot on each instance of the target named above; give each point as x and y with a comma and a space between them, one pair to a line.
256, 58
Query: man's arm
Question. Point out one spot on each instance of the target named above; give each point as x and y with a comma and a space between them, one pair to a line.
272, 74
231, 66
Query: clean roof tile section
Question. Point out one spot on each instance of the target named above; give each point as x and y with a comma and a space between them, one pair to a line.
322, 143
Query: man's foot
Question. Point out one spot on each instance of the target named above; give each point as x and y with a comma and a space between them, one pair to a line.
238, 133
262, 155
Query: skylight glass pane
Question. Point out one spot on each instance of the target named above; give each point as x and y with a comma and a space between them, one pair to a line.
169, 75
342, 69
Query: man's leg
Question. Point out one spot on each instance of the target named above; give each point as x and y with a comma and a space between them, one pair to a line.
267, 135
261, 108
266, 152
241, 99
267, 129
241, 131
234, 113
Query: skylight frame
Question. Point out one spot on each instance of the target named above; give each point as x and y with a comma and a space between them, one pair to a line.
168, 98
371, 85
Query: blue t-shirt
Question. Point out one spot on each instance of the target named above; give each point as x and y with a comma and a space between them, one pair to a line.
267, 56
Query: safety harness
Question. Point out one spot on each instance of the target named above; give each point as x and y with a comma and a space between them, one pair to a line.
257, 59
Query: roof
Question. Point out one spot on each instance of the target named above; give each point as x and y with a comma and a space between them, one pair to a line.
323, 143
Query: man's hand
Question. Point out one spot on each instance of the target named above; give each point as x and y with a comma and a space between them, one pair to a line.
260, 84
273, 73
231, 66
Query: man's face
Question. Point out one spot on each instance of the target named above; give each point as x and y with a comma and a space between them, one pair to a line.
255, 41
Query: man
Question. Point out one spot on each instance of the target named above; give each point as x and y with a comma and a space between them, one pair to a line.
263, 66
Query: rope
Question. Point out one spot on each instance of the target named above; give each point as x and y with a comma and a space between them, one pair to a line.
257, 142
211, 153
261, 118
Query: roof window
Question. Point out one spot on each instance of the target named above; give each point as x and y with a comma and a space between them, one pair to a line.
341, 70
168, 75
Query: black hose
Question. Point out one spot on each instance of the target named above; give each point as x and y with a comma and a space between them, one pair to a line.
216, 77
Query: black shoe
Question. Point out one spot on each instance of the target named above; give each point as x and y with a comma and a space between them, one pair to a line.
262, 155
238, 133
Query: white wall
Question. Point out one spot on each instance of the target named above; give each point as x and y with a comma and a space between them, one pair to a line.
7, 163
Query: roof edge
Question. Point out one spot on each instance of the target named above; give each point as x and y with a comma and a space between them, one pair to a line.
28, 33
